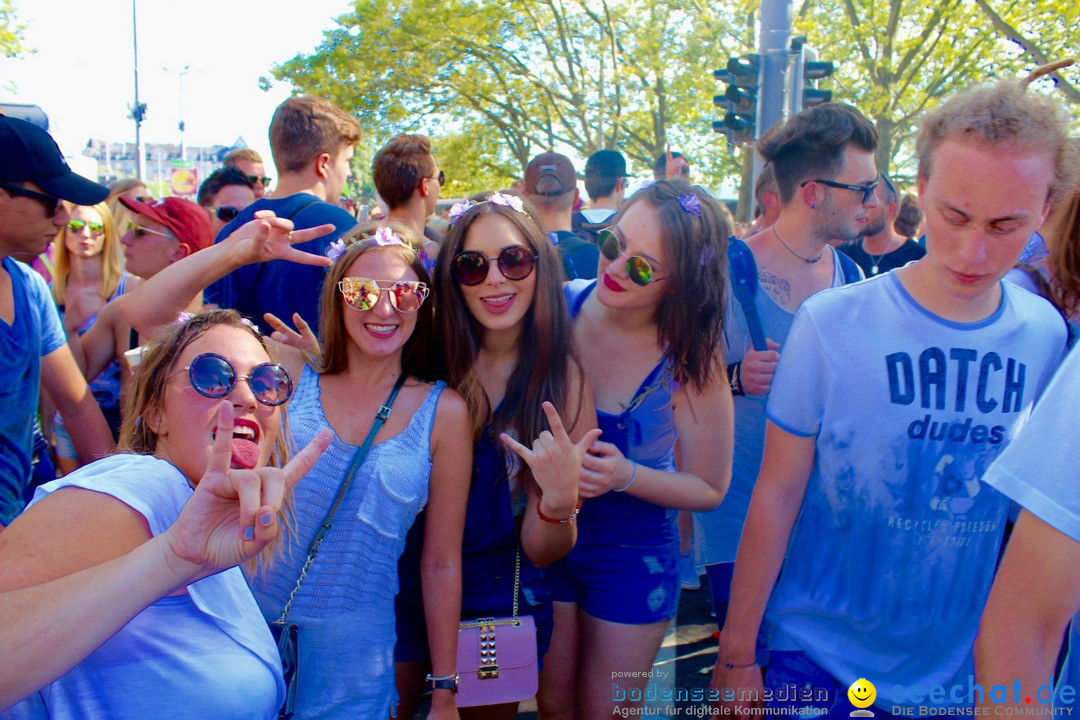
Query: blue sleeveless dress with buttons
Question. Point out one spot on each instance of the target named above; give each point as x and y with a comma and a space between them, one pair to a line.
345, 606
623, 567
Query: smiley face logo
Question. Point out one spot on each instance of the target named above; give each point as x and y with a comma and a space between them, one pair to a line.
862, 693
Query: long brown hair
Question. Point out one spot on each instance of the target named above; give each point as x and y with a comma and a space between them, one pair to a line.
690, 316
418, 357
545, 346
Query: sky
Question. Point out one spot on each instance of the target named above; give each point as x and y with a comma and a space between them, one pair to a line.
82, 74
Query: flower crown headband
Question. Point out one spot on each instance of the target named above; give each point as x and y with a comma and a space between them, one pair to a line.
497, 198
383, 237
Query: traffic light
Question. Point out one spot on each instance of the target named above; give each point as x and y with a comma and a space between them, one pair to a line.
740, 100
804, 92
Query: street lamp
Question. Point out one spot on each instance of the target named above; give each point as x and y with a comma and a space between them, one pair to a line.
180, 75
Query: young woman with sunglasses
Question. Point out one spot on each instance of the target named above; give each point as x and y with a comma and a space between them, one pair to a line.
376, 326
88, 274
506, 335
648, 331
205, 407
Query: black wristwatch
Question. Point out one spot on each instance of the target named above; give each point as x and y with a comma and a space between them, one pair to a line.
442, 682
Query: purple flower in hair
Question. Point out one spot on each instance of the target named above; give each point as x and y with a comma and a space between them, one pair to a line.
336, 250
510, 201
385, 237
457, 210
251, 325
690, 204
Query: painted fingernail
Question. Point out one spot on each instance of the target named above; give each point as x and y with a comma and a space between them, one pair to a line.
249, 533
266, 518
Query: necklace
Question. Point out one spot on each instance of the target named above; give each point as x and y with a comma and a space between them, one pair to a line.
804, 259
875, 262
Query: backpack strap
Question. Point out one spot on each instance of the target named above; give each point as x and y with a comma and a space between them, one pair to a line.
744, 287
850, 269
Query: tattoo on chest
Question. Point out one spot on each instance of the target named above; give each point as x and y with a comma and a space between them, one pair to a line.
778, 288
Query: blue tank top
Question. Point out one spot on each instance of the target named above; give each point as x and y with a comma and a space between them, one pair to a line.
645, 433
345, 606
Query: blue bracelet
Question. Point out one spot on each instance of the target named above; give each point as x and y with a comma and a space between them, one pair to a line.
633, 476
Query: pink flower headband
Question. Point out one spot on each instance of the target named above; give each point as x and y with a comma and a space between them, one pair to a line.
497, 198
383, 237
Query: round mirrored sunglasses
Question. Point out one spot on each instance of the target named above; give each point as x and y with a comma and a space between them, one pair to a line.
213, 376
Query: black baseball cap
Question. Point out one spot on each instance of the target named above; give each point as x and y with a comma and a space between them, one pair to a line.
28, 153
607, 164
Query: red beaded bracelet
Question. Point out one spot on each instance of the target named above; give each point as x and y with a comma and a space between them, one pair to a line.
545, 518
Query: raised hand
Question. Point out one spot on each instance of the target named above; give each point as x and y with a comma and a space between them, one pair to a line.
269, 237
233, 514
555, 461
303, 338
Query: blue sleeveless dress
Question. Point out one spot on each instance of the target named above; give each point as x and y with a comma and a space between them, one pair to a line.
623, 567
345, 606
487, 559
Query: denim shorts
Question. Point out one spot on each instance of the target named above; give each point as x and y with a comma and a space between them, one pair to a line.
629, 584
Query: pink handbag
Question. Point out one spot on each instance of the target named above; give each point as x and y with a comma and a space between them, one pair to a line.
496, 657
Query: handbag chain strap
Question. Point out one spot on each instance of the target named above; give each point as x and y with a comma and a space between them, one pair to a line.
328, 521
517, 578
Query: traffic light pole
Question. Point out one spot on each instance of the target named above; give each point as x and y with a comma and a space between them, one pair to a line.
773, 48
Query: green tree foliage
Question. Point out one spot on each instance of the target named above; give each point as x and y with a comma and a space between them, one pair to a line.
11, 31
533, 74
496, 81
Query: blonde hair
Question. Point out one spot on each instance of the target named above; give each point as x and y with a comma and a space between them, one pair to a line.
112, 267
1003, 113
146, 398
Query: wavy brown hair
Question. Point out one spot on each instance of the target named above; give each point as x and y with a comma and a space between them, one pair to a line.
1063, 238
690, 317
419, 357
545, 343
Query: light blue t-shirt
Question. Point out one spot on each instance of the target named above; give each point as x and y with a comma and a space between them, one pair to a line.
206, 654
35, 332
723, 526
891, 558
1041, 471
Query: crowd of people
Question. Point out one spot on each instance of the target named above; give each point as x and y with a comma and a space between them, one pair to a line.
253, 411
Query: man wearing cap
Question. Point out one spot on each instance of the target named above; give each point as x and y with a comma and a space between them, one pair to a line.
33, 350
551, 187
605, 183
162, 232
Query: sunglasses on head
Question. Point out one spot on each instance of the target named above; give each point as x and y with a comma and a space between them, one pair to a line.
77, 226
363, 293
256, 180
213, 376
866, 190
516, 262
638, 268
226, 213
51, 201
